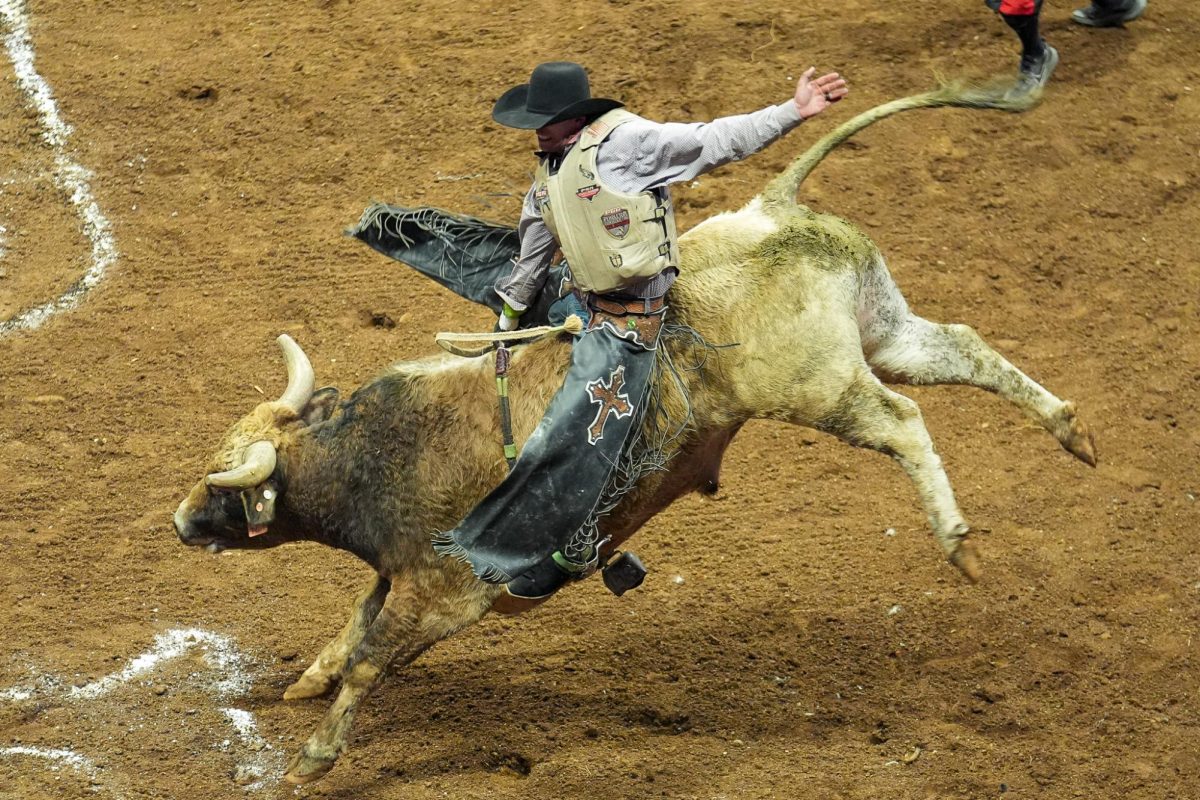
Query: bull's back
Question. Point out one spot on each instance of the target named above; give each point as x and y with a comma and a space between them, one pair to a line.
786, 294
745, 255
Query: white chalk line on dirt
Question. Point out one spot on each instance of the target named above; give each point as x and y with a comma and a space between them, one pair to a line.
219, 651
263, 764
56, 758
68, 175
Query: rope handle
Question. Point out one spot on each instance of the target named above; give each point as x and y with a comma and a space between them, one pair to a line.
487, 342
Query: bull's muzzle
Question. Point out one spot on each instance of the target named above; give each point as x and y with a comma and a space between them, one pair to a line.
185, 527
181, 525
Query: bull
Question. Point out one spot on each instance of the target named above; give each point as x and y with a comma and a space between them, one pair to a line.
819, 325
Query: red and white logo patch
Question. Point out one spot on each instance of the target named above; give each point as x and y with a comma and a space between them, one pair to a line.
616, 222
597, 128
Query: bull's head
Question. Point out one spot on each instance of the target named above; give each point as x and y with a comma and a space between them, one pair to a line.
234, 506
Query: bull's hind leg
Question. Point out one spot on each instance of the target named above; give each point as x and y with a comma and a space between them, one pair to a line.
915, 351
327, 668
868, 414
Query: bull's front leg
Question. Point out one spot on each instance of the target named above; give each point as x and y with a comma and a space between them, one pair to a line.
332, 661
392, 635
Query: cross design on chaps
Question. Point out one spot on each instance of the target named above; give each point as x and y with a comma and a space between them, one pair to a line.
611, 400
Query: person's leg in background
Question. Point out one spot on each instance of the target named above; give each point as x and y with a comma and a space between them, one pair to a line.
1038, 59
1109, 13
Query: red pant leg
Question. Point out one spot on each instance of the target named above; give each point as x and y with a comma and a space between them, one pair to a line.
1018, 8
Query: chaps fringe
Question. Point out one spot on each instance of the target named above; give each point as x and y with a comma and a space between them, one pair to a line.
656, 435
464, 239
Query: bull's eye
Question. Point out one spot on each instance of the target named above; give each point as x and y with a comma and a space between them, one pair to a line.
226, 510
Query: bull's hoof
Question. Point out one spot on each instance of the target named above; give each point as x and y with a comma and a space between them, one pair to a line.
966, 558
306, 768
1076, 436
308, 687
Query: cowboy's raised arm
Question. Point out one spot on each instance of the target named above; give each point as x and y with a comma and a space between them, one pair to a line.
644, 154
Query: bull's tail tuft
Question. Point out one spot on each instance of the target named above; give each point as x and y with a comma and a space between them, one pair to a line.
782, 190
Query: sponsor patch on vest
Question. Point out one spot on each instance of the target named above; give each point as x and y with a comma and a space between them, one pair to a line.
616, 260
541, 193
616, 222
588, 192
597, 128
587, 174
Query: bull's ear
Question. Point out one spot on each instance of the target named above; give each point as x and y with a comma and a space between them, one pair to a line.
320, 406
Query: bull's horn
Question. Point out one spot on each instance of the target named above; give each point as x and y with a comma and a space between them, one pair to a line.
301, 379
257, 466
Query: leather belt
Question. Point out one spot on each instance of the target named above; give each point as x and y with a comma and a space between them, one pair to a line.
623, 306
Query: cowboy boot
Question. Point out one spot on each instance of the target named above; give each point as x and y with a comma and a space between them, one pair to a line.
547, 577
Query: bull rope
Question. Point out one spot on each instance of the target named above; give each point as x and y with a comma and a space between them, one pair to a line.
487, 342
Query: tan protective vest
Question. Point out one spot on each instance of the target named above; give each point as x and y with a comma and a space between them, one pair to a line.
611, 239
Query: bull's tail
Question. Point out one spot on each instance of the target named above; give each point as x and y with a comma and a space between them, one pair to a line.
782, 190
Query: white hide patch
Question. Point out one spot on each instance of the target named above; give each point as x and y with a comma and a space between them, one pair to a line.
749, 221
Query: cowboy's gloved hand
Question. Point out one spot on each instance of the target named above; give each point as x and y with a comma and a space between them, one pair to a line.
510, 318
815, 95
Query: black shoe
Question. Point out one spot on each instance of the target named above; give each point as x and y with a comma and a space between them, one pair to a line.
547, 577
1033, 77
1095, 17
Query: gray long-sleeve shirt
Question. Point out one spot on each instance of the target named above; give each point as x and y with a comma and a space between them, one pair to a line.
642, 155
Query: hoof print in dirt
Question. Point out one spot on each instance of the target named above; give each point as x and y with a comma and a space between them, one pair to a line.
201, 94
509, 762
380, 319
662, 721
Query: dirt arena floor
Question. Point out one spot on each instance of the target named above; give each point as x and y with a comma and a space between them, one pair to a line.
799, 636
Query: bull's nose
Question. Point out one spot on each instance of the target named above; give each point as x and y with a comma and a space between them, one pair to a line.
181, 525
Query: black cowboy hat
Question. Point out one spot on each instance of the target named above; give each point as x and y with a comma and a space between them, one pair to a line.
557, 90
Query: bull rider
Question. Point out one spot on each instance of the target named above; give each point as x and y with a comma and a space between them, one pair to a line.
600, 193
